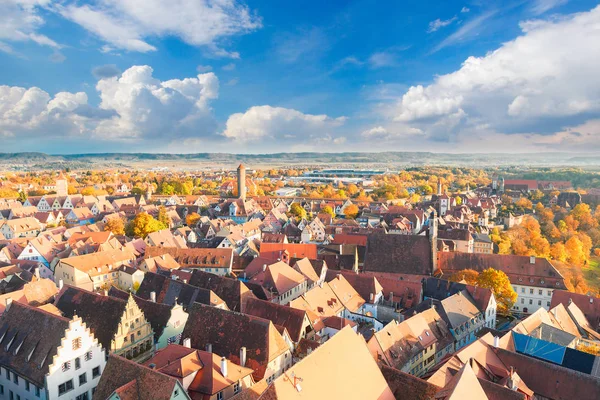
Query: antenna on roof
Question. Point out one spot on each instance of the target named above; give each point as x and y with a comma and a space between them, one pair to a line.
296, 382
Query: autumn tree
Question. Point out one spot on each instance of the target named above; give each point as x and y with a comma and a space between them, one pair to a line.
575, 251
163, 218
328, 210
116, 226
8, 193
500, 285
297, 211
192, 219
351, 212
143, 224
468, 275
524, 203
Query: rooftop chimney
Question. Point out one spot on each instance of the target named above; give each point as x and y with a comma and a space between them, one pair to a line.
60, 284
391, 296
243, 356
209, 347
153, 297
37, 272
264, 267
8, 302
496, 341
187, 342
371, 297
224, 367
532, 260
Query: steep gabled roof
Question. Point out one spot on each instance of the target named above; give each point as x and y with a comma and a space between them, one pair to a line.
409, 254
133, 381
101, 314
288, 317
229, 331
29, 341
341, 368
156, 314
232, 291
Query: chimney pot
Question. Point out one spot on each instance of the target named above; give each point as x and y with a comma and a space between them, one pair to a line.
224, 367
209, 347
264, 267
153, 297
532, 260
187, 342
60, 284
8, 302
243, 356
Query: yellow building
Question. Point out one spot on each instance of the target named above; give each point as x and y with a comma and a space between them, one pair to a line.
119, 325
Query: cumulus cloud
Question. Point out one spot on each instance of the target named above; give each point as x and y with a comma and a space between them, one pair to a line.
128, 24
391, 133
544, 79
262, 122
147, 107
133, 105
439, 23
19, 22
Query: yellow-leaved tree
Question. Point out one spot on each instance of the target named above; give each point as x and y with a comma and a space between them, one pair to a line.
500, 285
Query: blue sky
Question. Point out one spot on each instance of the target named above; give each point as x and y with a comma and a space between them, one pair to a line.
267, 76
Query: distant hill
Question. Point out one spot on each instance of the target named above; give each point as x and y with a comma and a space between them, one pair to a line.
384, 158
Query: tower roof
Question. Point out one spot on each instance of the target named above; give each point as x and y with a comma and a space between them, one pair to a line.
241, 166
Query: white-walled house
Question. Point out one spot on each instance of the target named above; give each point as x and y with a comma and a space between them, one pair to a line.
46, 356
21, 228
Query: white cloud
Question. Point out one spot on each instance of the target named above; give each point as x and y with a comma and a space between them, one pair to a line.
535, 83
133, 105
465, 9
203, 68
541, 6
439, 23
147, 107
228, 67
19, 22
261, 122
465, 32
396, 131
306, 43
128, 24
382, 59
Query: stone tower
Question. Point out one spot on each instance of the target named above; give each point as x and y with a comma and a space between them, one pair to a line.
62, 186
432, 233
149, 193
502, 185
241, 178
